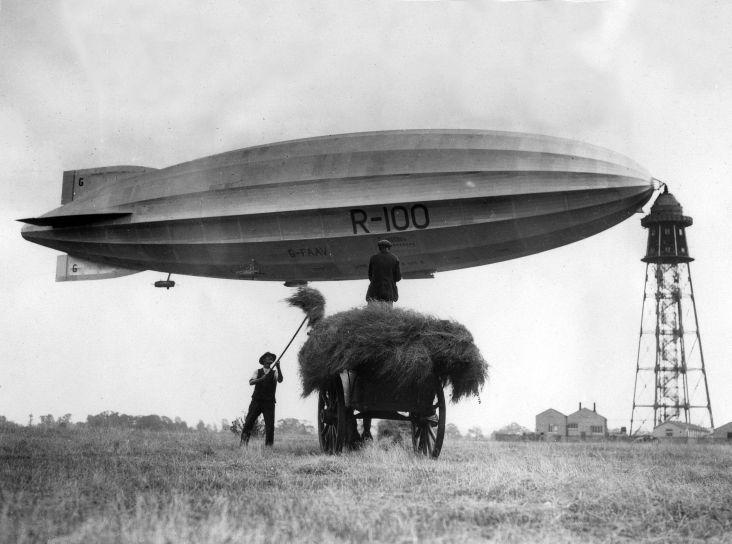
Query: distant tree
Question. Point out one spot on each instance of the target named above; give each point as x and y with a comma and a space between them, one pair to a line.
106, 420
397, 431
48, 421
452, 431
150, 423
64, 421
116, 420
475, 433
124, 421
512, 428
225, 425
180, 425
238, 423
30, 420
201, 426
7, 425
294, 426
93, 421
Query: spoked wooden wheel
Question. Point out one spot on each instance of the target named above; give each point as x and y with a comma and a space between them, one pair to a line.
428, 429
332, 418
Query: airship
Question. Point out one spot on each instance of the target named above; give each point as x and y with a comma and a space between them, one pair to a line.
313, 209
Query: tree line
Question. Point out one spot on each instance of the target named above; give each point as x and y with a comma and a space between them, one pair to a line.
290, 426
401, 430
152, 422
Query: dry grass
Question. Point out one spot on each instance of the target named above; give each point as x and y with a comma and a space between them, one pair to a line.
83, 486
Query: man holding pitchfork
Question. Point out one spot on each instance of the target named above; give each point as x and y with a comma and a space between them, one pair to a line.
265, 382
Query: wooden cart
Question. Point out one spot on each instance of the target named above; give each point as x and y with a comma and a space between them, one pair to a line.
352, 396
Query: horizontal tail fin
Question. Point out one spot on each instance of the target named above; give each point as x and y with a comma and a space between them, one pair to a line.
72, 220
70, 268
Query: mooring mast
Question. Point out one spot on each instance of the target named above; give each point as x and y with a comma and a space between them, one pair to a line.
670, 377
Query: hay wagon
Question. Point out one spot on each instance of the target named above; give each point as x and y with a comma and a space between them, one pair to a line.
352, 395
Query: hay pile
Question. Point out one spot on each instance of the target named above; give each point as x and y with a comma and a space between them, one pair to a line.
310, 301
396, 345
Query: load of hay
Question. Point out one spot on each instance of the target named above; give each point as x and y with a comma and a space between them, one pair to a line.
310, 301
399, 346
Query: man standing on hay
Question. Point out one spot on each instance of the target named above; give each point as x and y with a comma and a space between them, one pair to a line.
265, 382
384, 273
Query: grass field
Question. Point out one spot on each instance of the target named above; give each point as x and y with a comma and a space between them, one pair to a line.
82, 486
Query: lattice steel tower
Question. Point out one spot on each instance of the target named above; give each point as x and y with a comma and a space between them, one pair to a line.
670, 380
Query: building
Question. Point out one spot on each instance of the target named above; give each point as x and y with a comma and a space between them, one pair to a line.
724, 432
679, 429
551, 423
585, 423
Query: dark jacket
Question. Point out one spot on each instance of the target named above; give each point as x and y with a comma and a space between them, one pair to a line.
384, 274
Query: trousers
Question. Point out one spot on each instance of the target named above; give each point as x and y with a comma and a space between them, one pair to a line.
267, 410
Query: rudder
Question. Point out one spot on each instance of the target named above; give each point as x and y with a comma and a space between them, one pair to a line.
70, 268
77, 182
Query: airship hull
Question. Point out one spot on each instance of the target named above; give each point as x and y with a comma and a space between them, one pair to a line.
313, 209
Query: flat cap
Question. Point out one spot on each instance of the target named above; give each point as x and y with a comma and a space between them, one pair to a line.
383, 243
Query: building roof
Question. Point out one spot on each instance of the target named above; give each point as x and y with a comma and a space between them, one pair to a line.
551, 411
584, 412
683, 426
724, 428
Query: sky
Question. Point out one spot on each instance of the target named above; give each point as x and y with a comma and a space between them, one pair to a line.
95, 83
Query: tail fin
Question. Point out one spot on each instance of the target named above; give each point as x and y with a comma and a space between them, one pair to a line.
69, 268
72, 220
77, 182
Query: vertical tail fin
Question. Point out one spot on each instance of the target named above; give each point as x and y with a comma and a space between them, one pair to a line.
69, 268
76, 182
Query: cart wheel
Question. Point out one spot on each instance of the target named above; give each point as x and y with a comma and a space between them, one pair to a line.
428, 430
332, 418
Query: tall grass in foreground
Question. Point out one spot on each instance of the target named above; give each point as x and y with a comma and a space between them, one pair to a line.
85, 486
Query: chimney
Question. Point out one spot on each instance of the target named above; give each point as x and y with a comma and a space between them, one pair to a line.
580, 406
593, 407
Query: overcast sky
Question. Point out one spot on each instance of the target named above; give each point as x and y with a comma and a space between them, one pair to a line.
97, 83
